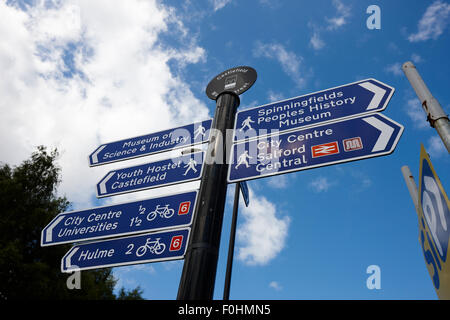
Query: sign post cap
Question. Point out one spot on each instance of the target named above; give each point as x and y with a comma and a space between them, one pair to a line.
235, 80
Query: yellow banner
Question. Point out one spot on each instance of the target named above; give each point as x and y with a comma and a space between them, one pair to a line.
434, 226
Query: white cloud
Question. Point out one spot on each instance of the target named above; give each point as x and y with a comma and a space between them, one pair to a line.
436, 147
127, 275
250, 104
279, 181
275, 285
334, 23
416, 114
393, 47
171, 265
416, 58
274, 96
146, 268
433, 22
79, 73
395, 69
362, 180
270, 4
263, 234
290, 62
219, 4
316, 42
321, 184
342, 14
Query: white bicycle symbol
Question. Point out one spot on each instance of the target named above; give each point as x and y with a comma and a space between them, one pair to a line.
154, 246
164, 212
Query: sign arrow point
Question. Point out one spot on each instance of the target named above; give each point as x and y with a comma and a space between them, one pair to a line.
94, 156
49, 230
102, 184
386, 133
67, 264
378, 94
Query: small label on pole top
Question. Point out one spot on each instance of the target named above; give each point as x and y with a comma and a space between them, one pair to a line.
236, 80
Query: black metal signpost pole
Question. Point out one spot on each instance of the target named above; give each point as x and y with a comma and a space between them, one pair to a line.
199, 271
200, 265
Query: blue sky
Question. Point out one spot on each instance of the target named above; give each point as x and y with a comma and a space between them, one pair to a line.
80, 73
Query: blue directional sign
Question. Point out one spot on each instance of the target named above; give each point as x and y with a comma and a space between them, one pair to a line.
168, 212
149, 247
358, 98
352, 139
152, 175
434, 226
151, 143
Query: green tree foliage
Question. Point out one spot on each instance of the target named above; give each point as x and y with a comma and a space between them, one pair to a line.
28, 202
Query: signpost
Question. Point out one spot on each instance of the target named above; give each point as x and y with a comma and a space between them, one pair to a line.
358, 98
151, 247
151, 143
332, 143
154, 214
331, 126
151, 175
200, 265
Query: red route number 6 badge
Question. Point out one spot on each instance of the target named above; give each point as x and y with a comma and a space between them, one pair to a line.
184, 208
175, 243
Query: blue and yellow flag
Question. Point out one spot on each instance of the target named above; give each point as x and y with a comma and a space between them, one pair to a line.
434, 226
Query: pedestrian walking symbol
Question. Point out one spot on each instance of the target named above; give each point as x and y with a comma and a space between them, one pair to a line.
199, 131
190, 166
243, 159
246, 123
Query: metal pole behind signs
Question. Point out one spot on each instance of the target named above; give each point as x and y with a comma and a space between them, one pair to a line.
226, 289
412, 187
435, 114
